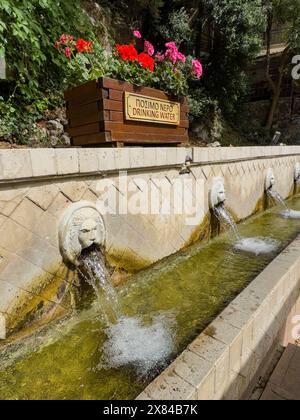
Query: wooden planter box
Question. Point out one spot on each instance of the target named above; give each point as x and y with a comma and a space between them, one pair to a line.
107, 112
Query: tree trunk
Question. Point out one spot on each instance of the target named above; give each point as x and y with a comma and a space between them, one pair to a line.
277, 90
275, 100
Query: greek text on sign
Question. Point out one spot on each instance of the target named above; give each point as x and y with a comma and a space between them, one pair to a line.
148, 109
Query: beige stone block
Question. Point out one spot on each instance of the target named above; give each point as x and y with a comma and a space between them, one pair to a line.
136, 157
169, 386
207, 388
73, 190
235, 354
122, 158
200, 154
150, 156
88, 160
222, 375
235, 317
208, 347
13, 236
27, 214
43, 162
223, 331
171, 156
15, 164
67, 161
11, 295
89, 196
47, 229
23, 274
2, 327
182, 153
5, 258
237, 387
10, 199
161, 156
59, 205
44, 195
40, 253
106, 159
192, 368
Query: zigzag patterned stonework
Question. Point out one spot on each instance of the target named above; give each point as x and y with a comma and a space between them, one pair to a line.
37, 186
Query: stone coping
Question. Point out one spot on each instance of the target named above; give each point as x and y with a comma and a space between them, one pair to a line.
27, 164
222, 362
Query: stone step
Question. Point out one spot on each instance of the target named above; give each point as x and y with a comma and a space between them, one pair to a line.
284, 384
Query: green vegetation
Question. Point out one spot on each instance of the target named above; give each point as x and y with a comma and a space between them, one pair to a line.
38, 74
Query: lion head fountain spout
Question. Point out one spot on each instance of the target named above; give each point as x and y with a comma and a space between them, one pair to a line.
80, 227
217, 192
297, 173
269, 180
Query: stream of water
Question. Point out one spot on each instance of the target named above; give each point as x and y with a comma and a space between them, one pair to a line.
159, 312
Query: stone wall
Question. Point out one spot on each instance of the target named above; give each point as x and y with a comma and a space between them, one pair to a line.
225, 360
36, 187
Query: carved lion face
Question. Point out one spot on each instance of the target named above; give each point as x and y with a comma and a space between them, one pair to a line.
81, 227
88, 234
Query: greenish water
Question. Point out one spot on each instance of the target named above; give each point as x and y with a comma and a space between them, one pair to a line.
180, 295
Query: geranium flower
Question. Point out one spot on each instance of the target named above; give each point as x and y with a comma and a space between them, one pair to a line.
159, 57
171, 46
84, 46
172, 52
181, 57
148, 48
197, 68
65, 39
127, 52
146, 61
68, 52
137, 34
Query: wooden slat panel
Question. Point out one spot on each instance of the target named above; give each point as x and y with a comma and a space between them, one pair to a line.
84, 110
116, 116
135, 127
116, 95
112, 105
83, 91
108, 83
91, 139
184, 123
147, 138
92, 118
98, 94
86, 129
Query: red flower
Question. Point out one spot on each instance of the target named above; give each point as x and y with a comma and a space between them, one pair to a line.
84, 46
68, 52
127, 52
146, 61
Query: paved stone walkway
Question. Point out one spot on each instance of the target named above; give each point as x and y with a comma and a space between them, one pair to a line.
284, 384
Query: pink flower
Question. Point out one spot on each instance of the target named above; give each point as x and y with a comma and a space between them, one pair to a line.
65, 39
197, 68
68, 52
171, 46
159, 57
148, 48
137, 34
181, 57
172, 52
